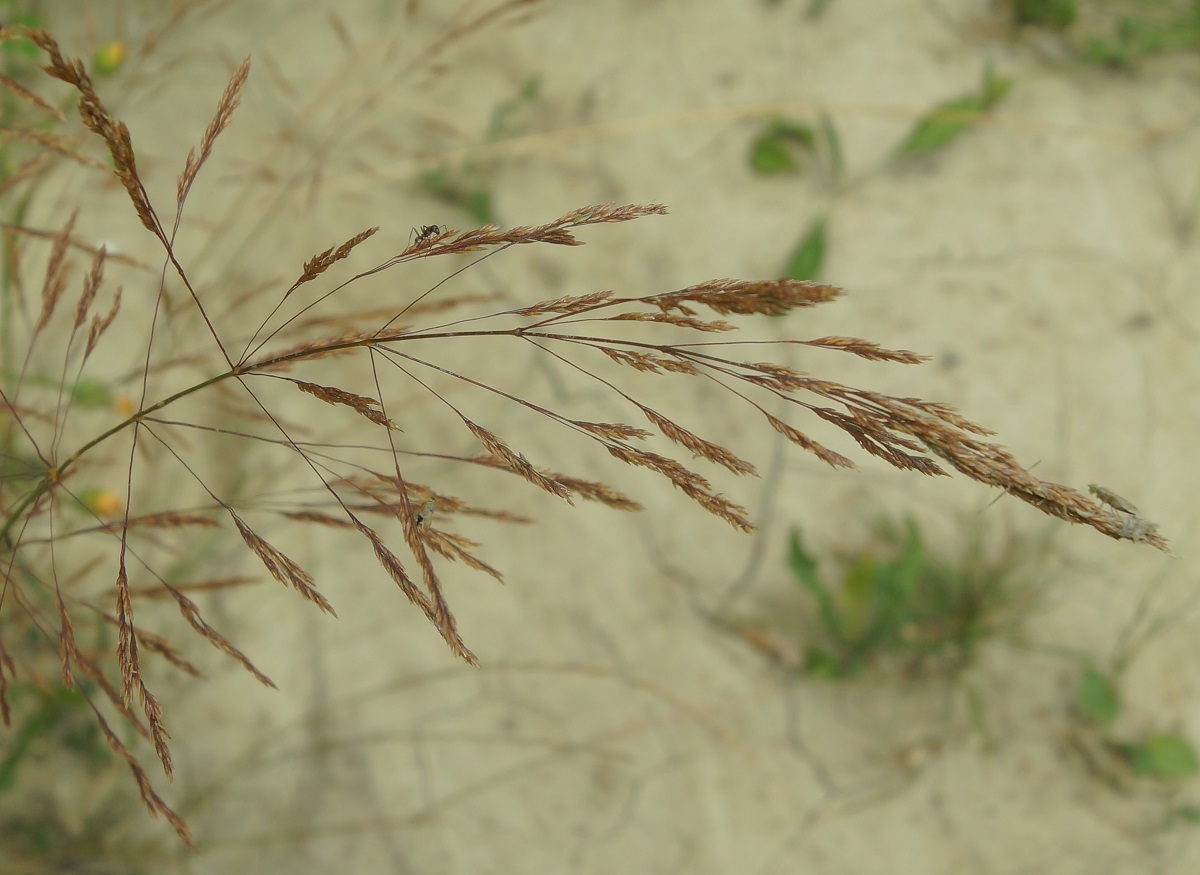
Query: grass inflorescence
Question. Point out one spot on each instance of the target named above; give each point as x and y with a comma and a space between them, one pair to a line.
256, 342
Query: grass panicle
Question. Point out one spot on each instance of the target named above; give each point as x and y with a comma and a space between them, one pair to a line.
372, 361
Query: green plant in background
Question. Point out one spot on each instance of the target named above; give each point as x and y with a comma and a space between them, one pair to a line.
1142, 30
1151, 753
1114, 757
1058, 14
1114, 33
898, 597
950, 120
1146, 756
809, 254
791, 146
468, 188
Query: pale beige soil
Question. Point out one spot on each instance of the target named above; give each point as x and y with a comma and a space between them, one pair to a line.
611, 728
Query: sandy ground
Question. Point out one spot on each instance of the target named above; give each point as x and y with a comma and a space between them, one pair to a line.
1045, 260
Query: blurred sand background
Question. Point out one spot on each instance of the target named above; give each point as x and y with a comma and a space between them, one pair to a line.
1045, 260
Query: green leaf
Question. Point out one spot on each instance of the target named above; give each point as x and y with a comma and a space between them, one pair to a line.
1165, 756
770, 155
804, 568
806, 260
949, 120
781, 146
1098, 698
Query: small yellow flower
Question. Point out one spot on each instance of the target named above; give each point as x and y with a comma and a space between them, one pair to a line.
109, 57
124, 405
102, 502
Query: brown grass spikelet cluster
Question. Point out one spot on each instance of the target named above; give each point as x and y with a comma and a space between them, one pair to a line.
360, 404
373, 361
281, 567
114, 133
230, 100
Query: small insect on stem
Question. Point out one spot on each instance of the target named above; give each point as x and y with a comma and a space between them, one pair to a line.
426, 233
1112, 499
425, 514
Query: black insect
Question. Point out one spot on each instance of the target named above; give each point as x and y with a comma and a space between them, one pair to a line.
426, 232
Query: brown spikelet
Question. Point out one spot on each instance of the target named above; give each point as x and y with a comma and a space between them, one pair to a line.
170, 520
158, 732
94, 674
395, 569
451, 546
100, 325
599, 213
230, 99
836, 460
323, 519
362, 405
66, 641
598, 492
692, 484
745, 297
673, 319
639, 361
318, 348
612, 430
161, 590
443, 617
158, 644
91, 285
868, 350
127, 657
878, 441
565, 305
21, 91
435, 611
192, 614
734, 514
518, 463
556, 232
282, 568
100, 122
781, 377
318, 264
56, 275
698, 445
947, 414
151, 799
662, 464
